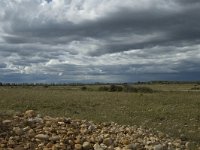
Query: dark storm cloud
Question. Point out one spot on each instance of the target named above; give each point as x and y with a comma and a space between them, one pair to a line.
177, 27
191, 2
2, 65
105, 39
108, 74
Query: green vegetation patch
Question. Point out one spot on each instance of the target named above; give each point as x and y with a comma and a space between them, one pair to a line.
174, 113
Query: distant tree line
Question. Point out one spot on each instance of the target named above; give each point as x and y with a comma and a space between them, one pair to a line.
168, 82
99, 83
41, 84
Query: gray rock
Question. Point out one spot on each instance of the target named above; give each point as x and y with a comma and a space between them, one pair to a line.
42, 137
107, 141
54, 138
30, 113
11, 142
6, 121
97, 147
86, 145
158, 147
131, 146
187, 145
35, 120
91, 127
103, 146
31, 133
18, 131
78, 146
26, 128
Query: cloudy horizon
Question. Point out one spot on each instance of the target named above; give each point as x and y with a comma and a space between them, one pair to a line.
99, 40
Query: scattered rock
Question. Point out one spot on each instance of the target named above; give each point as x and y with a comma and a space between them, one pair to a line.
26, 128
30, 114
86, 145
54, 138
125, 141
131, 147
97, 147
31, 133
187, 145
6, 122
35, 120
103, 146
18, 131
78, 146
107, 141
158, 147
11, 143
42, 137
118, 148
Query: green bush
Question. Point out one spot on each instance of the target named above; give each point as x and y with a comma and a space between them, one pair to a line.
83, 88
103, 88
45, 86
128, 88
195, 88
115, 88
140, 89
144, 90
125, 88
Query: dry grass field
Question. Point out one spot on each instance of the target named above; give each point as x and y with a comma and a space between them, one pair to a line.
175, 111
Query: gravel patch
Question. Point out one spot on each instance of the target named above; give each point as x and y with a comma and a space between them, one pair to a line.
28, 130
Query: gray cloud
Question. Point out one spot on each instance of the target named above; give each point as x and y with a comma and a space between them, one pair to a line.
2, 65
99, 40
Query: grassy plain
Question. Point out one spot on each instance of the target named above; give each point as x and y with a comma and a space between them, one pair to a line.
172, 109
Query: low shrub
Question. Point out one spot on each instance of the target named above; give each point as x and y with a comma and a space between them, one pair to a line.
140, 89
83, 88
103, 88
45, 86
195, 88
125, 88
144, 89
115, 88
128, 88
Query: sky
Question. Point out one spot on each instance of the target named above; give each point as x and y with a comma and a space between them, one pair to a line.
87, 41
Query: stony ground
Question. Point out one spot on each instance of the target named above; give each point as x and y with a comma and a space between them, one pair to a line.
31, 131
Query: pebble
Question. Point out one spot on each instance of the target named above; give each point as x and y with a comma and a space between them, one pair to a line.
35, 120
42, 137
30, 114
158, 147
54, 138
97, 147
26, 128
131, 146
187, 144
11, 142
78, 146
31, 133
86, 145
6, 121
103, 146
18, 130
107, 141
